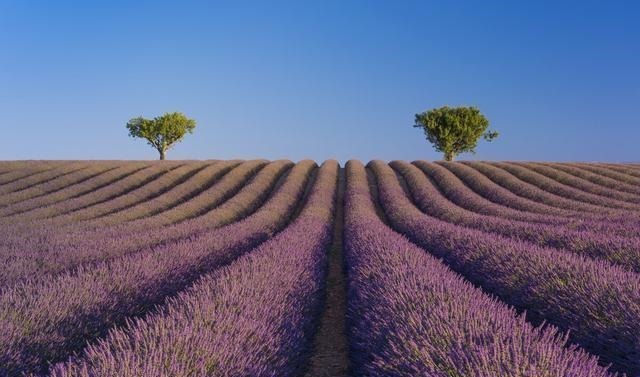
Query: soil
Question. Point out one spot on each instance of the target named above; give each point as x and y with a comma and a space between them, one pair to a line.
330, 356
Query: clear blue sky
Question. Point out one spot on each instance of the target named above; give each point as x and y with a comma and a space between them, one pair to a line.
560, 80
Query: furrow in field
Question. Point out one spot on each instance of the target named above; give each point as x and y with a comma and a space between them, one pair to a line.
42, 318
624, 169
458, 192
410, 315
142, 195
42, 177
98, 197
77, 189
209, 199
56, 184
615, 221
264, 304
172, 197
620, 178
595, 183
598, 302
38, 259
560, 189
623, 251
25, 170
330, 351
614, 199
527, 190
168, 178
486, 188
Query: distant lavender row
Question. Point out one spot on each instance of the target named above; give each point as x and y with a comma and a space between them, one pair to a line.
621, 250
610, 172
129, 199
543, 192
74, 190
20, 170
598, 302
42, 177
623, 168
251, 318
412, 316
152, 184
581, 180
506, 204
102, 195
12, 171
194, 207
455, 190
477, 180
55, 183
606, 177
200, 204
32, 260
174, 196
35, 235
47, 321
550, 185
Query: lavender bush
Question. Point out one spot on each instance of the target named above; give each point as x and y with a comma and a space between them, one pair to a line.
251, 318
412, 316
599, 303
618, 249
46, 321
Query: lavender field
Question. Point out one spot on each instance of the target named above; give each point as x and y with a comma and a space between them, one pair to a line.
276, 268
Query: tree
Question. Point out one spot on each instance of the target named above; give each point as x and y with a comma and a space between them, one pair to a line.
161, 132
454, 130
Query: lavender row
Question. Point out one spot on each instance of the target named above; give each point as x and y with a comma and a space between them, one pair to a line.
201, 209
599, 303
56, 183
16, 170
30, 260
205, 201
74, 190
623, 168
52, 238
621, 250
131, 198
251, 318
602, 176
478, 181
47, 321
42, 177
587, 180
412, 316
43, 238
540, 193
166, 202
503, 203
582, 181
14, 232
558, 188
102, 195
459, 193
173, 197
23, 171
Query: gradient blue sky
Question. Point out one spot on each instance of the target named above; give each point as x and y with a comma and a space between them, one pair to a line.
560, 80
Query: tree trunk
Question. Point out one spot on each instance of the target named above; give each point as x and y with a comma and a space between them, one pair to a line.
449, 156
162, 154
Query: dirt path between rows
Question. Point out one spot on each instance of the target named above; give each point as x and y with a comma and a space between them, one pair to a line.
330, 355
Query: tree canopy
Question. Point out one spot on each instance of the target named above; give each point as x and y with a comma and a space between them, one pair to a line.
162, 132
454, 130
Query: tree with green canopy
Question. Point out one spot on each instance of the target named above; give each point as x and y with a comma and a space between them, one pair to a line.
162, 132
454, 130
